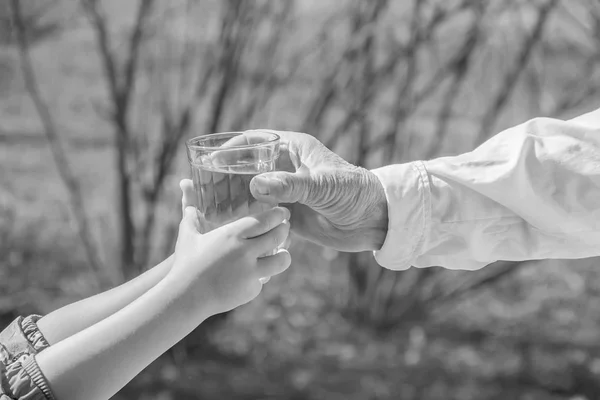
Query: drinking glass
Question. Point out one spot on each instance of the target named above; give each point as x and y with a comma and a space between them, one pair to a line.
223, 164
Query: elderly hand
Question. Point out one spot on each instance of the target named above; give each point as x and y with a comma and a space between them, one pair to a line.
335, 203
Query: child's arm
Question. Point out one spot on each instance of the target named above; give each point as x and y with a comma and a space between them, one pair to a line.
78, 316
75, 317
211, 273
97, 362
19, 375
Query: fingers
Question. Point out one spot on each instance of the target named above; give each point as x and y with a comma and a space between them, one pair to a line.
230, 153
259, 224
288, 242
281, 187
285, 246
262, 130
188, 197
239, 140
271, 240
273, 265
252, 136
189, 222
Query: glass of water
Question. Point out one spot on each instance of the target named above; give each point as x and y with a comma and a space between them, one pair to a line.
223, 164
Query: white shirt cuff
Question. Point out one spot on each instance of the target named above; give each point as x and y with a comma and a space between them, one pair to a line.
409, 212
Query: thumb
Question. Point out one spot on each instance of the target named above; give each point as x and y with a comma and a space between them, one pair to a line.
282, 187
189, 220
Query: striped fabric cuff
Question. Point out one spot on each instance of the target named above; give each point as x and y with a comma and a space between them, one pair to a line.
33, 334
35, 373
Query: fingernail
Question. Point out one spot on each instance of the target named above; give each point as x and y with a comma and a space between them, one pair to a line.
262, 185
288, 214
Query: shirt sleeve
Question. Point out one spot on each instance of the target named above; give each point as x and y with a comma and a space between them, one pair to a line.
20, 376
530, 192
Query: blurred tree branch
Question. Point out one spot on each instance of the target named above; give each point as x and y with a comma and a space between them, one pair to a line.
588, 90
121, 82
459, 71
35, 24
66, 173
263, 87
328, 85
363, 79
404, 99
419, 34
432, 85
511, 77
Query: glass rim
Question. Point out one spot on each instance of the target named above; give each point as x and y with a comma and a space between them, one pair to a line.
191, 146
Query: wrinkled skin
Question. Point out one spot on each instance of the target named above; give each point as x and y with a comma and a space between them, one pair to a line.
333, 202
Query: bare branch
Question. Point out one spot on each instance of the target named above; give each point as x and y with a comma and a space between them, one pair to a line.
440, 16
364, 79
460, 68
264, 90
58, 151
135, 41
172, 134
568, 103
120, 87
98, 21
231, 44
589, 90
511, 77
325, 97
426, 33
404, 96
120, 82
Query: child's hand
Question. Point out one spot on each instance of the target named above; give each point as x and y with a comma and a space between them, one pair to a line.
224, 266
188, 198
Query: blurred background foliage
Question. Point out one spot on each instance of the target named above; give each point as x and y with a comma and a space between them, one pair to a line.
97, 97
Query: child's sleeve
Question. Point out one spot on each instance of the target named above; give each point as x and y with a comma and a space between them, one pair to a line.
20, 376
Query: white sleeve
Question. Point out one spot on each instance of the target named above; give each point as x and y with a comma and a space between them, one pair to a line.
530, 192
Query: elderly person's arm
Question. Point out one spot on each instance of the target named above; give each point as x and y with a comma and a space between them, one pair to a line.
530, 192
